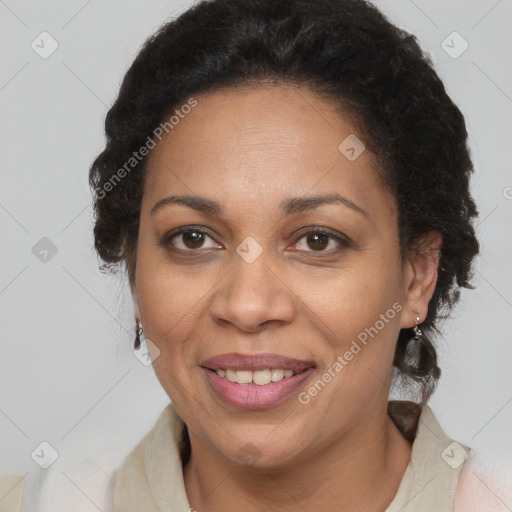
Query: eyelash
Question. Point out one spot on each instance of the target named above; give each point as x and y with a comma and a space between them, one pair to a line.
343, 241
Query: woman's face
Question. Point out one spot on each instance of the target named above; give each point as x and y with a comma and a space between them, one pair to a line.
263, 270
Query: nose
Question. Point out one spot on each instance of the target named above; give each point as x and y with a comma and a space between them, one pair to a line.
252, 296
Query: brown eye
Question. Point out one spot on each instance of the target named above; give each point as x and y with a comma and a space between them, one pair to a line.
321, 241
317, 241
189, 239
193, 239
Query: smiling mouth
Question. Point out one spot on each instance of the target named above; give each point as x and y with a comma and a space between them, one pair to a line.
257, 377
256, 381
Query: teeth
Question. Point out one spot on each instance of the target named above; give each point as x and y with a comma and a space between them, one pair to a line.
261, 377
276, 374
258, 377
243, 377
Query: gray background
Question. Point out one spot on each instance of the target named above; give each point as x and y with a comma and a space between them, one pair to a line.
67, 372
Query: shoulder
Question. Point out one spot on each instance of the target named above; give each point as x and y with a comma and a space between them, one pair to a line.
482, 487
86, 485
84, 476
466, 482
11, 492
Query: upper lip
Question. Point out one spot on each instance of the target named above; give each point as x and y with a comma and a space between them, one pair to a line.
253, 362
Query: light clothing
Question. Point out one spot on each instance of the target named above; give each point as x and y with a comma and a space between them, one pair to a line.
151, 478
11, 493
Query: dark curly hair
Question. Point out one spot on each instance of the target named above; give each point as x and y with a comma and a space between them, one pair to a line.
344, 50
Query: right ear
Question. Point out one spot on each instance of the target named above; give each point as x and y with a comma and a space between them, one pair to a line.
129, 260
136, 310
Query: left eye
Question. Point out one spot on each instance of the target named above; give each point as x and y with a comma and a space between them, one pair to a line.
319, 241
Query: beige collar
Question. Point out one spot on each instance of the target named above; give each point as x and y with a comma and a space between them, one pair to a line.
151, 477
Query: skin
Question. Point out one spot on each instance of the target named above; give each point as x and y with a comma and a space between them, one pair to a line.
249, 149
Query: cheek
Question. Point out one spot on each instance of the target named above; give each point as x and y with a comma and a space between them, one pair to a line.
170, 305
169, 296
169, 299
353, 298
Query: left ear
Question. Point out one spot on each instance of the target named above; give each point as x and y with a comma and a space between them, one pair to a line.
420, 277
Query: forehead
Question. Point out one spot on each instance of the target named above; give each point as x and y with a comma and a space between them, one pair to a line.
259, 146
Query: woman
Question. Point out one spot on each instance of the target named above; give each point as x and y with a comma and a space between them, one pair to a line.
287, 184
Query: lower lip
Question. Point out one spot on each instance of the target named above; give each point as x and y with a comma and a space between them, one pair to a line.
253, 396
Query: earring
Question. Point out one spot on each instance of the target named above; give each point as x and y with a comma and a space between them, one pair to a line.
417, 331
138, 333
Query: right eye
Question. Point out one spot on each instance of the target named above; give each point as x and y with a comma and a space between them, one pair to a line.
188, 239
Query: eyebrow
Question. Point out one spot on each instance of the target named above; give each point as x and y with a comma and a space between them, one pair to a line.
290, 206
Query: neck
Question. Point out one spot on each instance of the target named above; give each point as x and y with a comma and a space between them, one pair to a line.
360, 470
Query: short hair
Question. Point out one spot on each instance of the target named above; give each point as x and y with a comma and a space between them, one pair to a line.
344, 50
